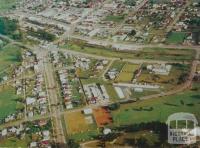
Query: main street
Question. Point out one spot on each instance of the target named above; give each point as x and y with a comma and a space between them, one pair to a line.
52, 94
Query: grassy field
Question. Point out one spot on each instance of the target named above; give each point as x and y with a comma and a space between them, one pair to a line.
114, 18
118, 65
74, 127
9, 55
176, 37
8, 103
127, 73
146, 53
7, 4
15, 142
158, 109
84, 136
78, 127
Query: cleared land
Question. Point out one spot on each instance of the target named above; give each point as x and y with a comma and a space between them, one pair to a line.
158, 109
102, 117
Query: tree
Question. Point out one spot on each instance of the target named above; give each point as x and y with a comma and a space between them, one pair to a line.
130, 2
142, 142
7, 26
72, 144
132, 33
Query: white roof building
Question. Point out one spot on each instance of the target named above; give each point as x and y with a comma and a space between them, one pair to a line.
4, 132
30, 100
107, 131
119, 92
87, 111
33, 144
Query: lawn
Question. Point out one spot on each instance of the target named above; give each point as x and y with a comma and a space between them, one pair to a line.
158, 109
176, 37
9, 55
8, 103
7, 4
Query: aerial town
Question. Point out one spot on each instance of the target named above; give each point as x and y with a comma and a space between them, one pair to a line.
98, 73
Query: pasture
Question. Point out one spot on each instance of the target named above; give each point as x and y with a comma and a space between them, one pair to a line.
158, 109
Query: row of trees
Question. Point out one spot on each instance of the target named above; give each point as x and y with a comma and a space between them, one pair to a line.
42, 34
